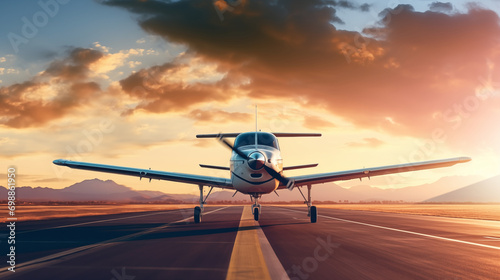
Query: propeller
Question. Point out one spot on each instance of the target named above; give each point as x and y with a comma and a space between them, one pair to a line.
256, 161
237, 151
289, 183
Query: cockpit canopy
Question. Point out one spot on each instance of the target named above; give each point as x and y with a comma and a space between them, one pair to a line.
263, 138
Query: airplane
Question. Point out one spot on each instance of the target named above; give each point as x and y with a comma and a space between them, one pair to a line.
256, 169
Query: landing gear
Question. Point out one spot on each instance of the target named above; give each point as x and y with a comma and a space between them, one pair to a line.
256, 207
312, 211
256, 213
198, 210
197, 215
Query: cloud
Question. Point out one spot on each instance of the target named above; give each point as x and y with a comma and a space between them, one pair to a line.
441, 7
365, 7
20, 112
366, 142
317, 123
75, 66
111, 61
218, 116
410, 66
413, 66
56, 92
176, 86
51, 180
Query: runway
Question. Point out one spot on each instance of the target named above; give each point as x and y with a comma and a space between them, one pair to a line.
344, 244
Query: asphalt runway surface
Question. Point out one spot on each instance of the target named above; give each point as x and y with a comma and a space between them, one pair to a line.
228, 244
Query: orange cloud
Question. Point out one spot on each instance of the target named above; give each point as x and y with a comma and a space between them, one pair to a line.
61, 88
161, 89
317, 123
218, 116
410, 67
421, 68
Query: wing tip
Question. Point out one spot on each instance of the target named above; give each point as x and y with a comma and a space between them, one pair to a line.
464, 159
59, 162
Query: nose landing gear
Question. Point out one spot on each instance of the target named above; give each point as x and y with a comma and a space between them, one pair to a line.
256, 207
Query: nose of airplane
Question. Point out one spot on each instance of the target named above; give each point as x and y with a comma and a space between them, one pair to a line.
256, 160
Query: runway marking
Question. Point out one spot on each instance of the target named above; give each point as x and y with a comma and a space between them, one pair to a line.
156, 268
101, 221
33, 264
252, 256
407, 231
275, 268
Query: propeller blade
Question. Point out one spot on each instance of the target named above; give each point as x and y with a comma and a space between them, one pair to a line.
237, 151
284, 180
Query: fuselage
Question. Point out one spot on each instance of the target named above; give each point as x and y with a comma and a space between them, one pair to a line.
248, 175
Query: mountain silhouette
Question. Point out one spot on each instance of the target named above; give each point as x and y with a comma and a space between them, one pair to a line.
483, 191
94, 190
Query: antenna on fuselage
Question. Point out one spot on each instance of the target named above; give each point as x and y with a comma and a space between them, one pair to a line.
256, 126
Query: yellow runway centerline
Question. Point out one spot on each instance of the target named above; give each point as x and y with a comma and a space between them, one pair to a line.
247, 260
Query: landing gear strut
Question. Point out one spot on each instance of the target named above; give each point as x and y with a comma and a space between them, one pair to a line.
198, 210
256, 207
312, 211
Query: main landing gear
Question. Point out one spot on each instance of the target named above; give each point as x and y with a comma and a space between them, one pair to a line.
312, 211
198, 210
256, 207
197, 214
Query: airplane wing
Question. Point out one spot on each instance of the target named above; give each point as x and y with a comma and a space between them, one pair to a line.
374, 171
150, 174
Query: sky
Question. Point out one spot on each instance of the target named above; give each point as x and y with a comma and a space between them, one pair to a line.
131, 83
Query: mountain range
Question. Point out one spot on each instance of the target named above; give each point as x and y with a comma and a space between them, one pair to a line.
95, 190
447, 189
484, 191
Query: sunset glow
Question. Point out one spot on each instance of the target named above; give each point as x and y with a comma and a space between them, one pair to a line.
131, 83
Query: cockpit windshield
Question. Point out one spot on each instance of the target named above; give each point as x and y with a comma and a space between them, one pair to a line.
263, 138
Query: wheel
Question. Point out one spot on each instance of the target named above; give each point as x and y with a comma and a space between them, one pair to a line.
256, 213
197, 215
314, 214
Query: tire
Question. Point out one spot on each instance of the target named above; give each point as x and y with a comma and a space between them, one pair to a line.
256, 213
197, 215
314, 214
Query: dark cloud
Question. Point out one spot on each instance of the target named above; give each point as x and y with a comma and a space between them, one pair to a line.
24, 105
75, 66
365, 7
412, 65
267, 31
388, 12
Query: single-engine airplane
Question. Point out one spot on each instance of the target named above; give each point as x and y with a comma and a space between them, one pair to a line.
256, 168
